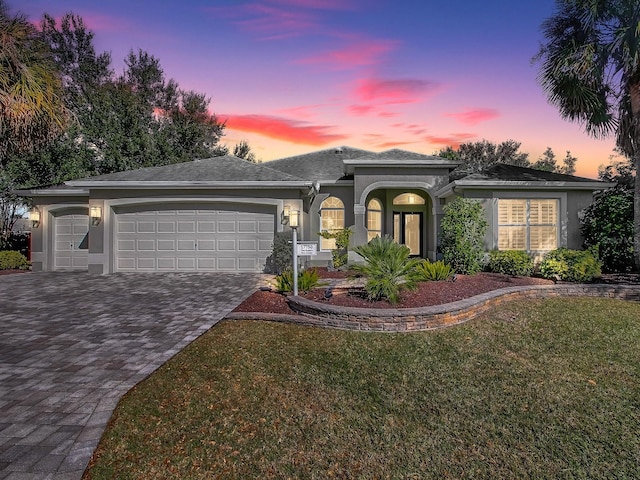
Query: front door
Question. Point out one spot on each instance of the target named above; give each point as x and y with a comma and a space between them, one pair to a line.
407, 230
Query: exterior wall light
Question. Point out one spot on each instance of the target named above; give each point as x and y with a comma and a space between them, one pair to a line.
96, 215
34, 216
292, 218
284, 217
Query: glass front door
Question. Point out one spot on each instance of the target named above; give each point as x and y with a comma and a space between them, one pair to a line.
407, 230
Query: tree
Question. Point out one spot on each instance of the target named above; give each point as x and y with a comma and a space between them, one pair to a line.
476, 156
243, 150
590, 70
547, 162
463, 229
569, 167
32, 111
608, 226
621, 172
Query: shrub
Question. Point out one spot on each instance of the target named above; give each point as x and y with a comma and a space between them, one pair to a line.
16, 241
307, 280
429, 271
570, 265
463, 230
511, 262
281, 257
608, 225
340, 254
12, 260
387, 267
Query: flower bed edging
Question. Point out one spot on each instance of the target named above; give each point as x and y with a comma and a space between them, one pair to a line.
438, 316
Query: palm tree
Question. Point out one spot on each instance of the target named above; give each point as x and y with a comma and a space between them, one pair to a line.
31, 106
590, 70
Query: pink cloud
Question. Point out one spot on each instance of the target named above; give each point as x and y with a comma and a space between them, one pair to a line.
362, 53
473, 116
394, 91
319, 4
360, 110
387, 114
303, 112
454, 139
283, 129
393, 144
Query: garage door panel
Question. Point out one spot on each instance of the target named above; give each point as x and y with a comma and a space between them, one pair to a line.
247, 227
166, 227
193, 240
166, 245
187, 227
250, 245
206, 245
206, 227
146, 226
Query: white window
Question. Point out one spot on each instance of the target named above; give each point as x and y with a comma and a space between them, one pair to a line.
374, 218
530, 225
408, 199
331, 220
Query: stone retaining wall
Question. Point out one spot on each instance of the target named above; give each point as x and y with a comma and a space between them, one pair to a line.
427, 318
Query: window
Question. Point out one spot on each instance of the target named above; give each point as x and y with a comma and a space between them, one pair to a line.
530, 225
331, 220
374, 218
408, 199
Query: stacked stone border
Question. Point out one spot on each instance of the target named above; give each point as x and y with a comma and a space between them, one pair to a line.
437, 316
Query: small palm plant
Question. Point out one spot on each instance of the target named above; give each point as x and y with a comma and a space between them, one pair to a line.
388, 269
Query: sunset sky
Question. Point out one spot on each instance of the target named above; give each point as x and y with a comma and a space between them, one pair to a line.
294, 76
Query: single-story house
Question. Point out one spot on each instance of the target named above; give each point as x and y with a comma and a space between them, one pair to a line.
221, 214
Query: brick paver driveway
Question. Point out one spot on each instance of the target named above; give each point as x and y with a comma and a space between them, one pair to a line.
71, 344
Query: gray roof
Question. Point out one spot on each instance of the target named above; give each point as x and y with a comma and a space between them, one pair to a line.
217, 169
501, 171
397, 154
322, 165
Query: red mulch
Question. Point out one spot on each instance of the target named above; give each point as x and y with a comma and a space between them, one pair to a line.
427, 294
9, 272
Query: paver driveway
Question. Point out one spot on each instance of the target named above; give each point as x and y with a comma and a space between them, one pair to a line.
71, 344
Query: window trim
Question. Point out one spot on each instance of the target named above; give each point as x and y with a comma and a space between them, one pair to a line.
527, 225
379, 212
325, 243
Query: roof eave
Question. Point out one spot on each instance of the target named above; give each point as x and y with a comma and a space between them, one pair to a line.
58, 192
120, 184
462, 184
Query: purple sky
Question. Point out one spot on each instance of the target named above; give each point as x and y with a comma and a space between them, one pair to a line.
293, 76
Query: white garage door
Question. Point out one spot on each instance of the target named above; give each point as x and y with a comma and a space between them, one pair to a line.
71, 249
192, 240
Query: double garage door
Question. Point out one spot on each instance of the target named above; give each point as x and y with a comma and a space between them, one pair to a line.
192, 238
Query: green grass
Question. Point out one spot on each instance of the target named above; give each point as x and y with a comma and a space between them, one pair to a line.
538, 389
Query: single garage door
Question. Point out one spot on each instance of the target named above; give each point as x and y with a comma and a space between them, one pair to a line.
71, 247
193, 240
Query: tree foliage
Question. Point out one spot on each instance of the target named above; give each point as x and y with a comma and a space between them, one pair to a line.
607, 225
243, 150
463, 230
476, 156
32, 111
590, 70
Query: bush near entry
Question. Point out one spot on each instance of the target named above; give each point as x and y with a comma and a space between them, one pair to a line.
12, 260
511, 262
570, 265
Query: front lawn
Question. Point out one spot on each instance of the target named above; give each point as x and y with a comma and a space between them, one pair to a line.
538, 389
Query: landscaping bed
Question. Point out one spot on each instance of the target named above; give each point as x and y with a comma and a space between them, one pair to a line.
427, 293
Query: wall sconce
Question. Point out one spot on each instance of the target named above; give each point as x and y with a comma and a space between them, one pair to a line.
34, 216
284, 216
96, 215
